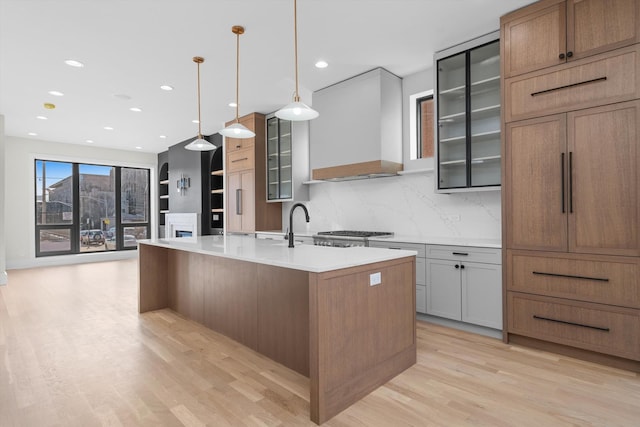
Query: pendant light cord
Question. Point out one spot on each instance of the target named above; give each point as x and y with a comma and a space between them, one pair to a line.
199, 121
237, 77
296, 98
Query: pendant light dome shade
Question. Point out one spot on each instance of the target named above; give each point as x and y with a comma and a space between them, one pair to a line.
199, 144
296, 111
237, 130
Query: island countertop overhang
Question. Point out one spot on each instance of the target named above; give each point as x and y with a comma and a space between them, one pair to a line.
305, 257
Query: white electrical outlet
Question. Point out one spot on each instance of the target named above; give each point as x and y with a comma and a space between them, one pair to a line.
375, 279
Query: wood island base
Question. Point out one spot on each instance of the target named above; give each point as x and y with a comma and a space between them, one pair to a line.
347, 336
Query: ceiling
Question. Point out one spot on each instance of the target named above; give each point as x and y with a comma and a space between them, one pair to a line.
131, 48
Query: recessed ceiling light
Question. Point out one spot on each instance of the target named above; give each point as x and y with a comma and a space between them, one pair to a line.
138, 148
122, 96
163, 136
56, 93
74, 63
195, 121
233, 104
49, 106
89, 141
166, 87
136, 109
42, 118
32, 134
322, 64
108, 128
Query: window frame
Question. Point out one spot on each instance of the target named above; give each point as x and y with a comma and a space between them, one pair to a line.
74, 227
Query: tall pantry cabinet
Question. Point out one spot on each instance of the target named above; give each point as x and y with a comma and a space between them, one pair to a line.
571, 180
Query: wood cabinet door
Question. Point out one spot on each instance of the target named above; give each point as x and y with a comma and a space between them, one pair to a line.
443, 288
535, 184
482, 294
595, 26
534, 37
234, 219
241, 205
604, 207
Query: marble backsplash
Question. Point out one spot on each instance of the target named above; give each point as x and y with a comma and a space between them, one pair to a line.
406, 205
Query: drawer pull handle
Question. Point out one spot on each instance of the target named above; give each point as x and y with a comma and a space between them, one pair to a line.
239, 201
598, 279
399, 249
599, 79
562, 181
597, 328
239, 160
460, 253
570, 181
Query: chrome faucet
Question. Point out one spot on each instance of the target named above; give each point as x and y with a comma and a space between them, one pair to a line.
306, 214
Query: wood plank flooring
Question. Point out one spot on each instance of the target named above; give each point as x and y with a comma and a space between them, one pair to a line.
74, 352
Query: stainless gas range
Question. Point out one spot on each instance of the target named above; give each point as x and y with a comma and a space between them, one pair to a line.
347, 238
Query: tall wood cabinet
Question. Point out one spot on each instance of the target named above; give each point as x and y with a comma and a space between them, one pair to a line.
247, 209
571, 187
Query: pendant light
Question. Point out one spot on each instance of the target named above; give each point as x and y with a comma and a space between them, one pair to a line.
199, 144
237, 130
296, 111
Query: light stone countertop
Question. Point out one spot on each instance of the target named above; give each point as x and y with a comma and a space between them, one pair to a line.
428, 240
306, 257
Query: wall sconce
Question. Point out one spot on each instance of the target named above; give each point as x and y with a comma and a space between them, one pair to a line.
183, 183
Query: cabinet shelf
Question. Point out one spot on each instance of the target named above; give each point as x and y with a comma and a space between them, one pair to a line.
164, 182
219, 172
462, 138
217, 210
485, 111
485, 135
218, 191
458, 90
165, 211
164, 196
484, 159
461, 162
452, 117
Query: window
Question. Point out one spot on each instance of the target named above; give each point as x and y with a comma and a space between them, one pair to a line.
424, 109
76, 207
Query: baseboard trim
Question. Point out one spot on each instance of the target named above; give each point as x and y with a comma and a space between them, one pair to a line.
70, 259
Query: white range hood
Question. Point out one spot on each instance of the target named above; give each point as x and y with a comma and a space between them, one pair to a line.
359, 131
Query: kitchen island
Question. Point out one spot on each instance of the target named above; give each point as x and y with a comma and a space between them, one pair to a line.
343, 317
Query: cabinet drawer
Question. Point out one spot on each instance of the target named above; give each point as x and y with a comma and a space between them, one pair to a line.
240, 160
595, 327
601, 79
465, 253
420, 248
587, 279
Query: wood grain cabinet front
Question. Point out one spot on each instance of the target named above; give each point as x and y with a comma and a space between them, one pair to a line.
552, 32
603, 79
606, 280
595, 327
571, 181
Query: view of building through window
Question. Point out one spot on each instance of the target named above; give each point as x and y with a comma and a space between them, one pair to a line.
425, 126
76, 207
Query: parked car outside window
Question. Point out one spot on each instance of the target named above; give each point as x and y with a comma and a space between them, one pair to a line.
93, 237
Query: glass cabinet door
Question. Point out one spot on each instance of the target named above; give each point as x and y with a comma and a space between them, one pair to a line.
279, 182
468, 116
452, 123
485, 115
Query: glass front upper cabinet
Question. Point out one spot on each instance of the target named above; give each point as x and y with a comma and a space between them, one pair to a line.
468, 116
279, 173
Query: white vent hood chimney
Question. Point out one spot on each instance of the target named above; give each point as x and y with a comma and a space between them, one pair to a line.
359, 131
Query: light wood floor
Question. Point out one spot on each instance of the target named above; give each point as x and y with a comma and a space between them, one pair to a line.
74, 352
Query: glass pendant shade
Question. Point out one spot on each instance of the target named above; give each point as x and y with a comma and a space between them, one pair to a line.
200, 144
237, 130
297, 111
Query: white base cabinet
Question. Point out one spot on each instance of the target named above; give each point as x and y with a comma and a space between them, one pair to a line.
461, 288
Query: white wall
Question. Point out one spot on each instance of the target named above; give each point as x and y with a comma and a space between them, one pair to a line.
19, 217
406, 205
3, 273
